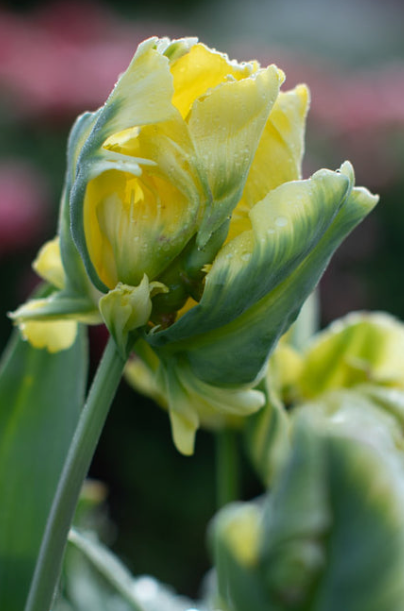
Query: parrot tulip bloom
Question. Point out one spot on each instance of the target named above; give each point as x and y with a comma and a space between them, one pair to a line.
184, 200
168, 158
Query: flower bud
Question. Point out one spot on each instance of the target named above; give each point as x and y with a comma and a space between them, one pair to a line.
331, 523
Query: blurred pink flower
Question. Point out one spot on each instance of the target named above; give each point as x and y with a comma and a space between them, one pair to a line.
357, 113
65, 59
24, 206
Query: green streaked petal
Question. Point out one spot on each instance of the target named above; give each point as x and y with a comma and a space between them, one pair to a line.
267, 438
142, 203
190, 401
58, 306
279, 155
183, 416
76, 277
237, 351
134, 100
226, 125
362, 347
174, 49
287, 226
364, 490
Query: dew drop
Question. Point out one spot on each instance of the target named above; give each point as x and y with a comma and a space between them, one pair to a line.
281, 221
146, 588
246, 256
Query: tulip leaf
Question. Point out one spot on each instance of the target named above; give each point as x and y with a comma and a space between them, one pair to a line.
39, 408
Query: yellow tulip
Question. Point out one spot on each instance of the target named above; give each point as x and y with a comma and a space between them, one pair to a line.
185, 223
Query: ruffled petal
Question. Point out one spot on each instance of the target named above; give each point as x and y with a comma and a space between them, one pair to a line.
226, 125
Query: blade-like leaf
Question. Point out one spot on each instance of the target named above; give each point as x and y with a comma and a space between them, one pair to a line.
40, 399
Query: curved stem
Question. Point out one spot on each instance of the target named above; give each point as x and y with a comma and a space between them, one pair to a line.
227, 473
75, 469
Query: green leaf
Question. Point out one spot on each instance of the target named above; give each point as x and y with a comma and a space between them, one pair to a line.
40, 399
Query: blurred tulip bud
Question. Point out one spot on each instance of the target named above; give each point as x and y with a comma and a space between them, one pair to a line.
330, 534
360, 348
363, 351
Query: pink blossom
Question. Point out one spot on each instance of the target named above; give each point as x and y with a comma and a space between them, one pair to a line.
24, 201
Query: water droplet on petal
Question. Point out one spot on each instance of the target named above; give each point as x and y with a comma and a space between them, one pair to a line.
246, 256
281, 221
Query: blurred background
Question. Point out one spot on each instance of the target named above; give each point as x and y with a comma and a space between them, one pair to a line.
58, 59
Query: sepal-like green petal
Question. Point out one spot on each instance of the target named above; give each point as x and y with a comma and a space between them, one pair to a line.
362, 347
226, 125
260, 280
190, 401
126, 308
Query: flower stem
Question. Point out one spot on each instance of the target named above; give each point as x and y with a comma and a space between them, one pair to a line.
227, 472
75, 469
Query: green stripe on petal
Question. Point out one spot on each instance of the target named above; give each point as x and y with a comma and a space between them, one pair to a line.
279, 155
359, 348
134, 100
287, 225
191, 401
237, 352
226, 125
76, 277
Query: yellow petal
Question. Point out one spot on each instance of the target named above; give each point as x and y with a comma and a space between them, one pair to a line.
241, 528
279, 155
202, 69
362, 347
138, 224
135, 226
143, 93
48, 264
226, 127
52, 335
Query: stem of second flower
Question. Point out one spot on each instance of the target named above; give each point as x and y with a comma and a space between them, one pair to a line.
77, 463
227, 467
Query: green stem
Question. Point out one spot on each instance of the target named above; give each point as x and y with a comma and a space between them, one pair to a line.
227, 472
75, 469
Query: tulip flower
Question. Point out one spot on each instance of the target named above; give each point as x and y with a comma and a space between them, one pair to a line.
185, 202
